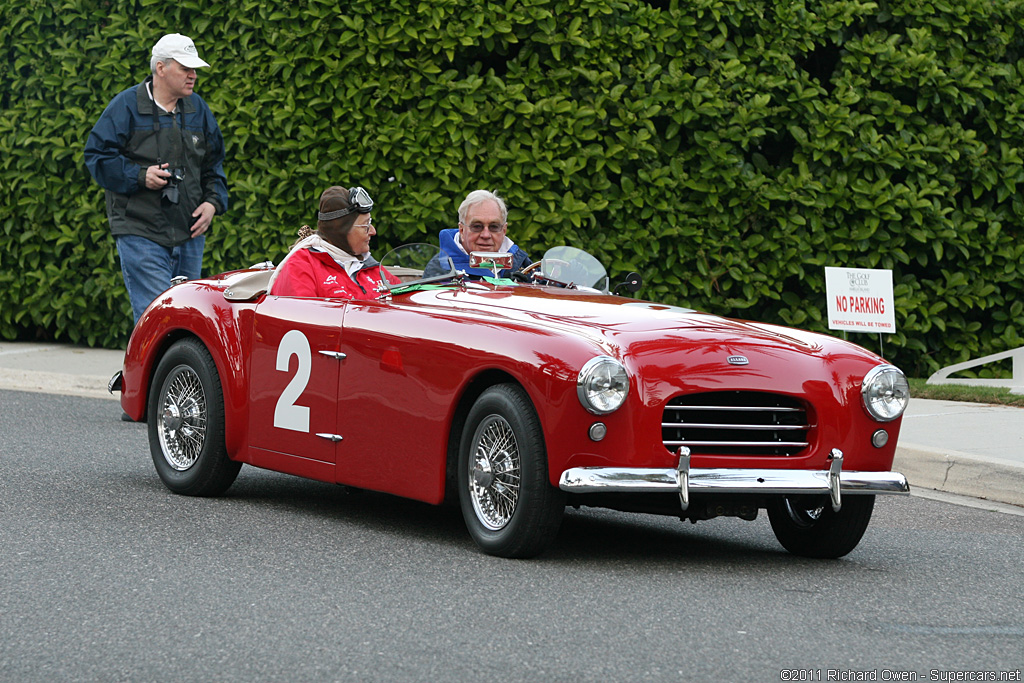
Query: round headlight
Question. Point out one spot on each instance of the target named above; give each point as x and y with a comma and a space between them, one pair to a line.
602, 385
885, 393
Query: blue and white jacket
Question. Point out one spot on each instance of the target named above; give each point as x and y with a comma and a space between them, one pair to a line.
452, 248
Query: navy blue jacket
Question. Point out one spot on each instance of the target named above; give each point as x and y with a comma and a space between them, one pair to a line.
128, 138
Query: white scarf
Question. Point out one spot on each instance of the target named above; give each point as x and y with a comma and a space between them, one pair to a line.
351, 264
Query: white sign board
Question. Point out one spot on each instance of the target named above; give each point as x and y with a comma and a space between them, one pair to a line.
860, 300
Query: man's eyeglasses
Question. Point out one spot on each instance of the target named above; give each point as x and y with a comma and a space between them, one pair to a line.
360, 202
365, 226
493, 227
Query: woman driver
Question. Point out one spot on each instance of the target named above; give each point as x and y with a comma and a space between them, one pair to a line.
334, 261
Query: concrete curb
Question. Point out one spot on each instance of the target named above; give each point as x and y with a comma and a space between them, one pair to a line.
38, 381
960, 473
58, 369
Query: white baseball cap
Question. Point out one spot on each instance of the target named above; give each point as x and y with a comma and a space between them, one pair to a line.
179, 48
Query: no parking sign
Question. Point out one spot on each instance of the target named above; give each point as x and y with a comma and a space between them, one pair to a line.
860, 300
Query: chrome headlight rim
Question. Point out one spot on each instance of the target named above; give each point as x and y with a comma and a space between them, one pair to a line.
604, 400
898, 392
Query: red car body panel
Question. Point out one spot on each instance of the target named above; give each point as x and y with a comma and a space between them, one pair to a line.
411, 363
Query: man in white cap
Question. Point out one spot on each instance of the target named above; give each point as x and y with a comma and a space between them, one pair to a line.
159, 154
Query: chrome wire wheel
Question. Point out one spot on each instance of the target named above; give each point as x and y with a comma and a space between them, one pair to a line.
809, 527
185, 415
801, 516
182, 418
494, 473
508, 501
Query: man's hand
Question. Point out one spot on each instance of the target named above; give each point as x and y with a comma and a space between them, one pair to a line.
156, 176
204, 216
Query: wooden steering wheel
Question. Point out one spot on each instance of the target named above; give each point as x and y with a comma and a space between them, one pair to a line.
530, 268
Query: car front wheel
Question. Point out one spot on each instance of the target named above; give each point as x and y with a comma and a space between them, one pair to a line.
186, 423
809, 527
510, 507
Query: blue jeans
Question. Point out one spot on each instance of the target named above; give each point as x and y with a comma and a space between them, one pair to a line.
148, 267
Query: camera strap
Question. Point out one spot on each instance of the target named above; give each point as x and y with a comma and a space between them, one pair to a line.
170, 192
176, 157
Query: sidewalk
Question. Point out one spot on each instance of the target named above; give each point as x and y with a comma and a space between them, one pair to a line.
966, 449
58, 369
970, 449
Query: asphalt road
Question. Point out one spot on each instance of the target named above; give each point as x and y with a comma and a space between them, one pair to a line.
108, 576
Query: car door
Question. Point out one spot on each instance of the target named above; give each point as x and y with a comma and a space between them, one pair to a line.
293, 387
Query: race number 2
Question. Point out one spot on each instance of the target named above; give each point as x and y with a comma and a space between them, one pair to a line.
288, 415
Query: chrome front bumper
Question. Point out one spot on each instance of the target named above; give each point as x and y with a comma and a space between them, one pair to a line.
685, 481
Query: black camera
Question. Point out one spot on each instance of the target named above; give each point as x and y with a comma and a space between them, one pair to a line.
170, 192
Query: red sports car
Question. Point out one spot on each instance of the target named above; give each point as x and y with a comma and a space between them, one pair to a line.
517, 397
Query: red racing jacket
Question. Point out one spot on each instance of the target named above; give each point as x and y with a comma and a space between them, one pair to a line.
311, 273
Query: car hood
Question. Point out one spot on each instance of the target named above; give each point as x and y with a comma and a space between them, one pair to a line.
628, 322
673, 350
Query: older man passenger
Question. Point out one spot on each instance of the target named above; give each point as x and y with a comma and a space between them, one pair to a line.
482, 227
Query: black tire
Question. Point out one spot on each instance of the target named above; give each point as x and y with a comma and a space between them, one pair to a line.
186, 423
510, 507
809, 527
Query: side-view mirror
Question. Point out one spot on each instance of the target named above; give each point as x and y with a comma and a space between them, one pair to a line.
495, 261
632, 283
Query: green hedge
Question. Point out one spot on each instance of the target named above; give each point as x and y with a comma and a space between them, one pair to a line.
727, 150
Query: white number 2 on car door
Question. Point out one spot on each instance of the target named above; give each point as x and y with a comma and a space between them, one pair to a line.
293, 378
288, 414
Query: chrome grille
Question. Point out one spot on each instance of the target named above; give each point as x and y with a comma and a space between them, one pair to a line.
736, 423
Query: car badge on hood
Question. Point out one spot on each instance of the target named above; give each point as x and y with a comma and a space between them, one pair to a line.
737, 360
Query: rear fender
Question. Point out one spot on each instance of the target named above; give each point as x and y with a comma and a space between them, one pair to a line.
221, 334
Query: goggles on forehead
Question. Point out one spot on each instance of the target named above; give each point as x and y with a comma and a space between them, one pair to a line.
360, 200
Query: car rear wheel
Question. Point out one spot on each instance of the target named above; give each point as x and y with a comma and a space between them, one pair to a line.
809, 527
510, 507
186, 423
